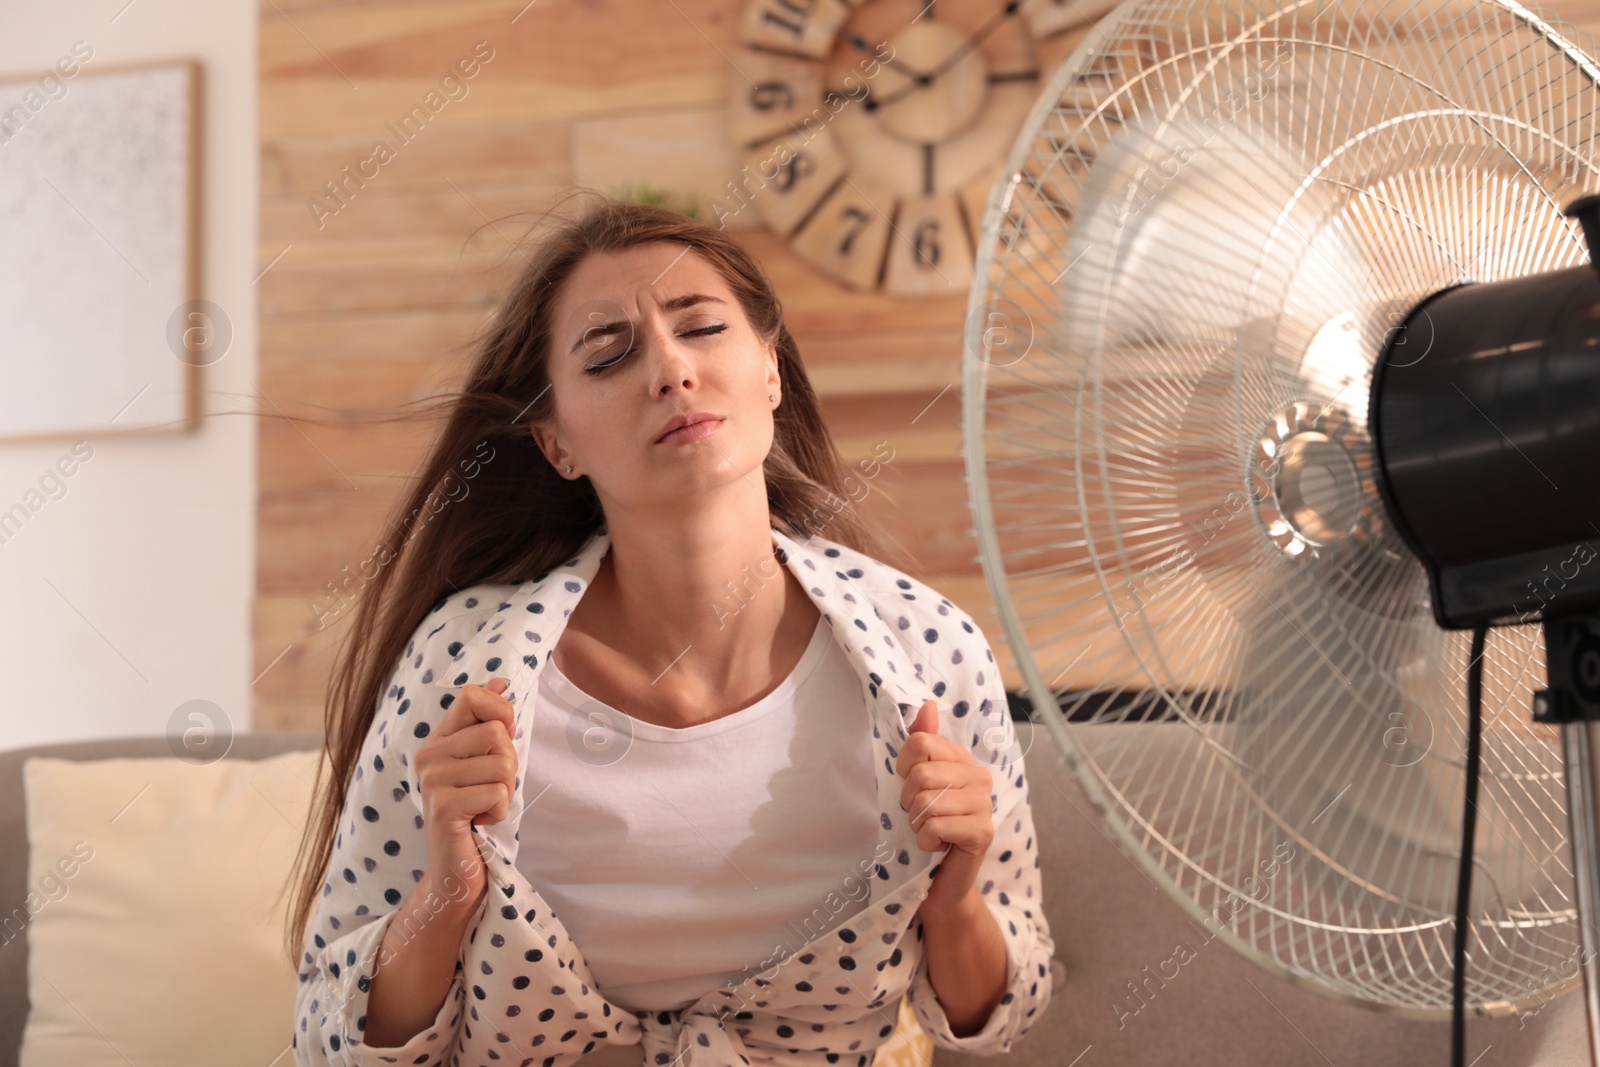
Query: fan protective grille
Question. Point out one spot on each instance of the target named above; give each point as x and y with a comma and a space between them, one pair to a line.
1214, 218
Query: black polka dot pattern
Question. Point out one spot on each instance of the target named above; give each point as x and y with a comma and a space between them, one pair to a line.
522, 992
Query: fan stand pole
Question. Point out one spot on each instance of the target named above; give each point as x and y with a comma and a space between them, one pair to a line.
1572, 661
1582, 744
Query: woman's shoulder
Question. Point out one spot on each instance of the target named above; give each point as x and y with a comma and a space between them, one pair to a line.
887, 585
432, 652
944, 644
460, 609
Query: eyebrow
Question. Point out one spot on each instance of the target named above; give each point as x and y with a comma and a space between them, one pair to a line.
676, 303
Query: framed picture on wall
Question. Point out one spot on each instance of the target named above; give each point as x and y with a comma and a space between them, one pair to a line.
102, 330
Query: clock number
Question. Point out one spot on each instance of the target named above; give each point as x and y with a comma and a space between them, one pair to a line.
861, 218
926, 244
848, 233
801, 11
795, 173
933, 255
807, 27
768, 95
772, 97
798, 166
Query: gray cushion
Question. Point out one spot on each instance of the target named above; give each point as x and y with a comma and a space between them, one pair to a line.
1109, 921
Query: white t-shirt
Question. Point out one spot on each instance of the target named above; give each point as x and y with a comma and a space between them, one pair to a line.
681, 861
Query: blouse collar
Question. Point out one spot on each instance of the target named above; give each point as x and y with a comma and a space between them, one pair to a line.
892, 683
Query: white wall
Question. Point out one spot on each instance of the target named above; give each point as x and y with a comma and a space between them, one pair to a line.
128, 596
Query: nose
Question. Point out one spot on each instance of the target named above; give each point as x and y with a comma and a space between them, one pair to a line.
670, 368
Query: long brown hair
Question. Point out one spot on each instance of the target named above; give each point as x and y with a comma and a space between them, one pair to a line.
521, 517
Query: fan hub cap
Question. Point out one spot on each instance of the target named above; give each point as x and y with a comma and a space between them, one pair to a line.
1306, 484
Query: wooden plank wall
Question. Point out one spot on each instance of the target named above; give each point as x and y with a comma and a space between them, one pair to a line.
362, 307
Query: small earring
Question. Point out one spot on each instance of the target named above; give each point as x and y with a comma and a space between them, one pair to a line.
772, 396
569, 468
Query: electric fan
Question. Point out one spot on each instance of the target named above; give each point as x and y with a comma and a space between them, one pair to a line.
1281, 371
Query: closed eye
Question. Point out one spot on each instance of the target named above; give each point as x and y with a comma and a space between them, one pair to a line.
597, 368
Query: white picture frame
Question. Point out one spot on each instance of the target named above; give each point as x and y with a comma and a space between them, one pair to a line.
102, 330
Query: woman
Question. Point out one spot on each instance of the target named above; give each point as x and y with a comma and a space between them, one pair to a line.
630, 643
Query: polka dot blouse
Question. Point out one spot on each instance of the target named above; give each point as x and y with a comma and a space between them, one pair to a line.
522, 993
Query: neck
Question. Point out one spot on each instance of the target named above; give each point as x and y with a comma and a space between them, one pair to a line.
701, 591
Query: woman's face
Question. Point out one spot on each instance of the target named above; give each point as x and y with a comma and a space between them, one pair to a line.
641, 336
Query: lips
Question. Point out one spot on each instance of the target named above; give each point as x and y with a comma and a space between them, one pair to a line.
678, 422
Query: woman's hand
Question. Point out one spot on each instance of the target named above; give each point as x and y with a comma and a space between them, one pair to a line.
947, 794
466, 775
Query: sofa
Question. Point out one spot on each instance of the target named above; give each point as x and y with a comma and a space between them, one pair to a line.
1107, 918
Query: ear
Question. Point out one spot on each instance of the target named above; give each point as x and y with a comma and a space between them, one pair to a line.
549, 443
773, 379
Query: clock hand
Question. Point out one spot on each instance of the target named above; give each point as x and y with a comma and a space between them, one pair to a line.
904, 91
860, 42
976, 39
949, 61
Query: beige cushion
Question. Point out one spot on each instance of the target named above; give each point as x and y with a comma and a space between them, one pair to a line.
157, 917
909, 1045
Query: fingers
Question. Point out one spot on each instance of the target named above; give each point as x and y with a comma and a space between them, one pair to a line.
474, 704
946, 793
937, 826
957, 812
480, 753
479, 785
492, 802
948, 796
477, 739
922, 746
970, 833
945, 787
468, 769
485, 802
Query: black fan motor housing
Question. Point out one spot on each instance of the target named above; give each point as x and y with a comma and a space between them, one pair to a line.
1485, 423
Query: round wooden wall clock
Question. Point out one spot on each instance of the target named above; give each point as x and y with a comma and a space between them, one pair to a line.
872, 131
